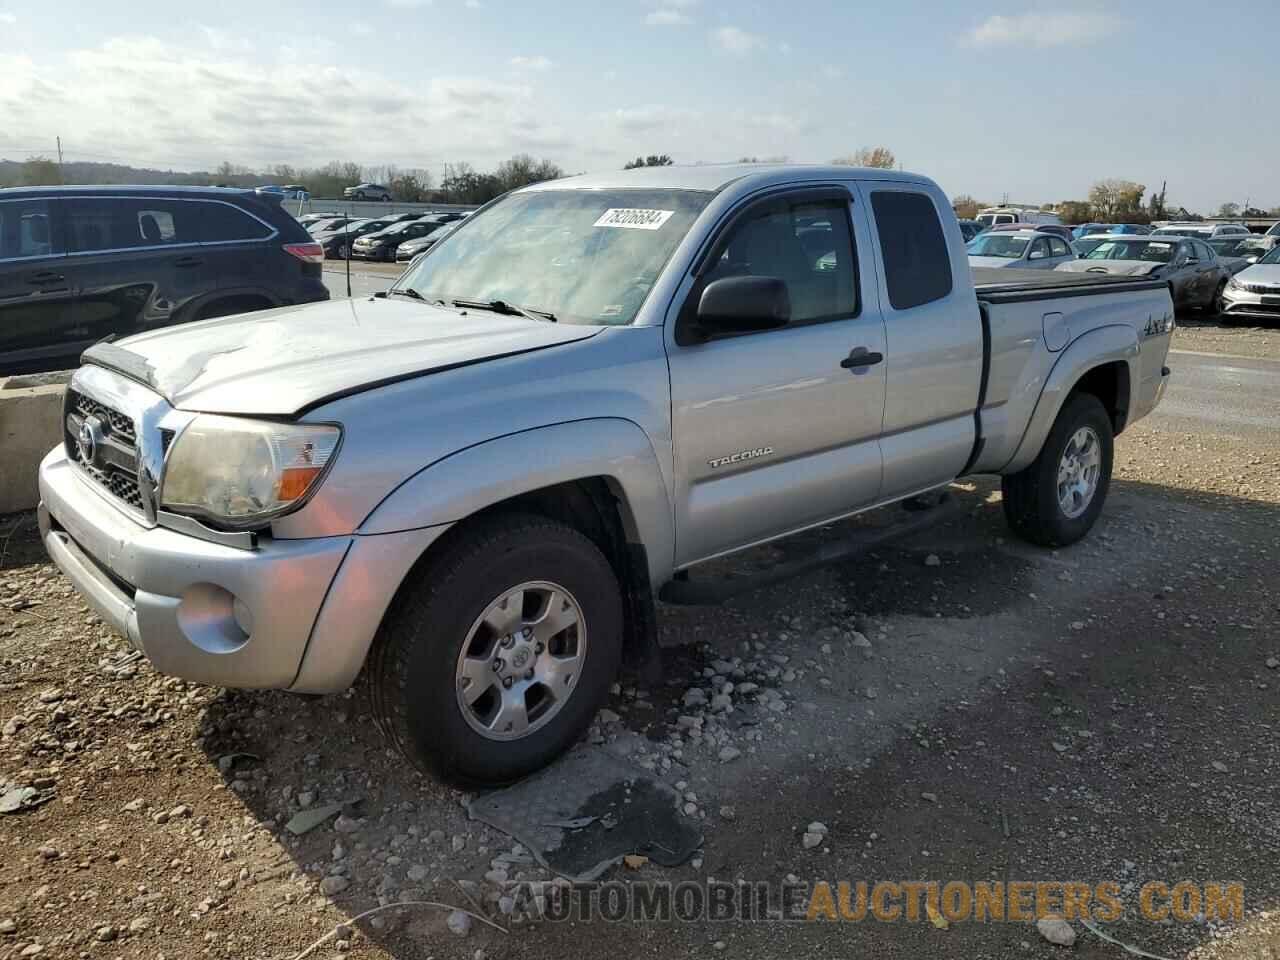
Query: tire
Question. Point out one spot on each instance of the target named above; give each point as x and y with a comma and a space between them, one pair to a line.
1033, 504
1215, 304
417, 676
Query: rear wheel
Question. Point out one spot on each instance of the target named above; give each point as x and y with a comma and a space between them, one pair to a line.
1056, 500
497, 652
1216, 303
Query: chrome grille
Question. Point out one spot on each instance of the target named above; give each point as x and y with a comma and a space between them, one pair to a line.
1268, 288
116, 466
120, 424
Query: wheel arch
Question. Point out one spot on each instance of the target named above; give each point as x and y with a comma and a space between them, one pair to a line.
1103, 362
599, 476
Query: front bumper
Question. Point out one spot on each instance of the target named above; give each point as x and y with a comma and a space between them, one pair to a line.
372, 253
198, 610
1245, 303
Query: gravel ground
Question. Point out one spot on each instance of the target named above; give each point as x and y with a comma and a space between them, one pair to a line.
958, 706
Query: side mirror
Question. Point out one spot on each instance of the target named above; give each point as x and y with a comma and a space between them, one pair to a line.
1036, 255
743, 305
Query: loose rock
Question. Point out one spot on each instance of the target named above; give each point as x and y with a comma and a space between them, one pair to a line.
459, 923
1056, 930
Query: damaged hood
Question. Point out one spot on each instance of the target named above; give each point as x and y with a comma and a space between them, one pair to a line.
1116, 268
281, 361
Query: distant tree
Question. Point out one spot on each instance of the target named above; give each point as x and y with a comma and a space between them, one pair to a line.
965, 206
1252, 213
1156, 206
462, 184
1075, 211
351, 172
1115, 200
284, 173
1274, 212
1229, 210
522, 170
40, 172
652, 160
411, 186
881, 157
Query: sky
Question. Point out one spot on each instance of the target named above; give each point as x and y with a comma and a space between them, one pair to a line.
1031, 100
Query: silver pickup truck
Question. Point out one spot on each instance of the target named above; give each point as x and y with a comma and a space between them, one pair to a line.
471, 489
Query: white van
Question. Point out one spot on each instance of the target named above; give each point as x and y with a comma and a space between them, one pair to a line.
994, 215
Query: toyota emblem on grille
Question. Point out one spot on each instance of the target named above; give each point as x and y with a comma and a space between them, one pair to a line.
87, 440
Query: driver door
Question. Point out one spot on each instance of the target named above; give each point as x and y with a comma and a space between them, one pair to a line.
771, 432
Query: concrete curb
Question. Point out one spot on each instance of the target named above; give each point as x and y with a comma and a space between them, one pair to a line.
30, 426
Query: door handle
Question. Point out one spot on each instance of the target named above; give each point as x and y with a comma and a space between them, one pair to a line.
188, 262
45, 276
861, 357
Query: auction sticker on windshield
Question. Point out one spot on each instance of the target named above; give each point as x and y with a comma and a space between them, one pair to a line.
631, 218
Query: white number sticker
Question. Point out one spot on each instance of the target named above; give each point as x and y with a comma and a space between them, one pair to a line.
630, 218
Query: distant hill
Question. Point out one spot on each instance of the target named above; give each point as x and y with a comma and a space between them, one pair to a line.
11, 175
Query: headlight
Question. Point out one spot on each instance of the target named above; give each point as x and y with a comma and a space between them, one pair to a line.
1234, 284
242, 473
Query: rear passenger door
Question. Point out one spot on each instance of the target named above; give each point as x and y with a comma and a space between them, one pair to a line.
1059, 252
934, 339
777, 430
35, 288
137, 260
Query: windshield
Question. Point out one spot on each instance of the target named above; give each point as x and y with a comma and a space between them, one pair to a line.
1182, 232
1083, 247
586, 256
998, 245
1272, 257
1150, 250
1230, 246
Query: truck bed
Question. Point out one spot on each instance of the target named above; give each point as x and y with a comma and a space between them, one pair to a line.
1000, 285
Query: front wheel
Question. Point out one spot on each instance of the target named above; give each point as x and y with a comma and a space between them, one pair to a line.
1056, 500
498, 651
1215, 302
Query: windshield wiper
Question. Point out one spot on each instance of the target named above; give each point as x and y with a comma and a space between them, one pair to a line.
510, 309
405, 292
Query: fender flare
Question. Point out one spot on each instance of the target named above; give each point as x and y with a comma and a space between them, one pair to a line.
465, 482
1110, 344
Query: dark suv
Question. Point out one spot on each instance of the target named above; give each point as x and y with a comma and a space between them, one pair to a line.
79, 264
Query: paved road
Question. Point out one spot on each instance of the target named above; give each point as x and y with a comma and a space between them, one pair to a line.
366, 279
1219, 394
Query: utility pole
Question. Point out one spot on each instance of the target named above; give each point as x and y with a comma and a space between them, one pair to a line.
61, 176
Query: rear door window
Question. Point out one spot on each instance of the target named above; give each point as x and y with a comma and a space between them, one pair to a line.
225, 223
917, 263
27, 230
1059, 248
97, 224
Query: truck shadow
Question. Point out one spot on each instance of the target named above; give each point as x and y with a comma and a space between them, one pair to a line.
1142, 688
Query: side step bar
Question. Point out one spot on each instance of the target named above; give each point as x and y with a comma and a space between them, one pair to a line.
685, 592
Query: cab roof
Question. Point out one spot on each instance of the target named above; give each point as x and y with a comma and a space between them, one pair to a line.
714, 177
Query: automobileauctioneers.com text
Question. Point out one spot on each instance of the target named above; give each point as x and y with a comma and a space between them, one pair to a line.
886, 901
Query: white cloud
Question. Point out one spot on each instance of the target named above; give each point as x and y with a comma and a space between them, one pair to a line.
159, 103
667, 17
532, 63
1043, 29
362, 30
225, 40
409, 4
737, 41
7, 18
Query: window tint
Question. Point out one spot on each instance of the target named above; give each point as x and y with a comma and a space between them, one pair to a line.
223, 223
123, 223
805, 244
1059, 248
1204, 251
26, 230
917, 264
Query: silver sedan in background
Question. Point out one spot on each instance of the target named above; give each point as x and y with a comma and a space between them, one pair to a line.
1021, 249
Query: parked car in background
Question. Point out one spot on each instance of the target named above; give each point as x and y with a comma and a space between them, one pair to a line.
1087, 229
1254, 292
337, 242
1204, 231
970, 229
1057, 229
381, 245
291, 192
1274, 230
296, 191
1085, 245
307, 219
367, 191
1023, 249
411, 248
78, 264
1137, 229
992, 216
1190, 267
1239, 252
329, 223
